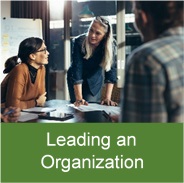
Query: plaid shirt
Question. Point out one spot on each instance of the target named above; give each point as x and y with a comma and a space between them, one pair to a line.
154, 80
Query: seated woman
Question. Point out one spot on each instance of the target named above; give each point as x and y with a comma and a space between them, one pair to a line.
9, 65
92, 53
24, 86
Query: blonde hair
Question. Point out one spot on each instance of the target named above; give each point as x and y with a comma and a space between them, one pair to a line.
108, 44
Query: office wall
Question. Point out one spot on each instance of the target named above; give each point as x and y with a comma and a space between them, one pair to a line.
5, 9
5, 12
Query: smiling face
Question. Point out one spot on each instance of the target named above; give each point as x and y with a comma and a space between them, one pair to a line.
96, 34
40, 57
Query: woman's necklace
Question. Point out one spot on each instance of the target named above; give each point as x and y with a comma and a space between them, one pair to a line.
33, 75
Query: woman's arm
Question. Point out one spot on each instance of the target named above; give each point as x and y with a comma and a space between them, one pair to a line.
78, 95
77, 71
107, 100
110, 79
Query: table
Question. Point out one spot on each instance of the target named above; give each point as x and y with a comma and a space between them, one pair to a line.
79, 117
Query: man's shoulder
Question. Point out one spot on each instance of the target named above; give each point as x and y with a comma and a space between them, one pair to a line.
159, 48
142, 51
162, 45
157, 54
142, 60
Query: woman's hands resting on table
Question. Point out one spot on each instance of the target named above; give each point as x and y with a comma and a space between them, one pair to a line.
77, 103
41, 100
108, 94
108, 102
80, 101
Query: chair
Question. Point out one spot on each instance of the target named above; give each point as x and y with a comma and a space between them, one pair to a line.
116, 93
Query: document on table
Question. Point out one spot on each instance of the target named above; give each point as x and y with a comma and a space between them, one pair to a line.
39, 109
26, 116
112, 110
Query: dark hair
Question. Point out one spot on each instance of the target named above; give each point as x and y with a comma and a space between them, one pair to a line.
28, 46
10, 64
165, 14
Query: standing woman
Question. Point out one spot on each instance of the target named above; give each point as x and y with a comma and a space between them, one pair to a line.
24, 86
92, 53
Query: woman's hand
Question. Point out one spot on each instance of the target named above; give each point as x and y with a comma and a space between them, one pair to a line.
108, 102
41, 99
108, 94
77, 103
11, 114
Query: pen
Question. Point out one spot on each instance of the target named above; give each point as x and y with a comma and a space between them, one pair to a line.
9, 112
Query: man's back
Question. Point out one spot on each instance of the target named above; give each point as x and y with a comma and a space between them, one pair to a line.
154, 84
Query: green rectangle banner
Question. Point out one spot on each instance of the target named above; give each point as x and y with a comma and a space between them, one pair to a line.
91, 152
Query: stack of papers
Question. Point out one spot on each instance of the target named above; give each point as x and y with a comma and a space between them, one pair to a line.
111, 110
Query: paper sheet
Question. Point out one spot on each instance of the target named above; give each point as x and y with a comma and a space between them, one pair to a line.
39, 109
111, 110
26, 116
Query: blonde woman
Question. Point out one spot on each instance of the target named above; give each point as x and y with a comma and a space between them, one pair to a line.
92, 53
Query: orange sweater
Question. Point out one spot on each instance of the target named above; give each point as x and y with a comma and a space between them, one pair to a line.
18, 89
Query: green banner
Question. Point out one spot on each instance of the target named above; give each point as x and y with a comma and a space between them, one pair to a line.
91, 152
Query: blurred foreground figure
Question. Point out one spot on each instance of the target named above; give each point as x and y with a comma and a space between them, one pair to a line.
154, 81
